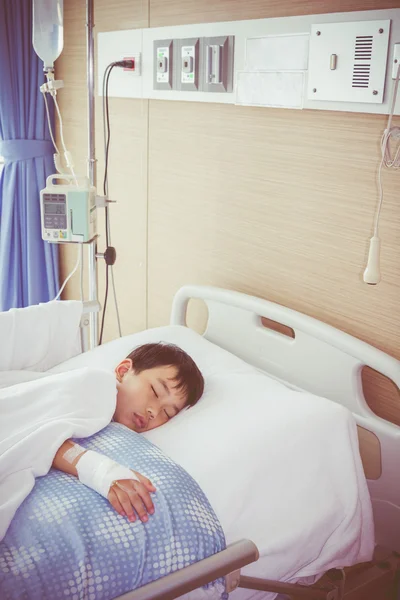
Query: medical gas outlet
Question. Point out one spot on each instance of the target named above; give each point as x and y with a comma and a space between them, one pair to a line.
163, 60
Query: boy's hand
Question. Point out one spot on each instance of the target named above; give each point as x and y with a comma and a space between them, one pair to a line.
131, 498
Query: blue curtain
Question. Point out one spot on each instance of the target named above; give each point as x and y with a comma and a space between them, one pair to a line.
28, 265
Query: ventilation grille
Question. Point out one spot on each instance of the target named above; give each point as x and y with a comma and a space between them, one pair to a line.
362, 61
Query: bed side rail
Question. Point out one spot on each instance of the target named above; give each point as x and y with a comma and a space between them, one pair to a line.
233, 558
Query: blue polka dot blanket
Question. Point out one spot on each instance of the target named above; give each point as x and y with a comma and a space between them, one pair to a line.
66, 541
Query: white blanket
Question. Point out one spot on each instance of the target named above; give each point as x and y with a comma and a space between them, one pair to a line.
36, 417
39, 337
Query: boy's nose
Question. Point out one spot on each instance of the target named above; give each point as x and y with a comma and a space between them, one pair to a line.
152, 412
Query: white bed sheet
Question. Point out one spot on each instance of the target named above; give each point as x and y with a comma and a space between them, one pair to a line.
293, 547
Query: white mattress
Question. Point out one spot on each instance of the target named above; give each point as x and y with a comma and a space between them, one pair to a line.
261, 454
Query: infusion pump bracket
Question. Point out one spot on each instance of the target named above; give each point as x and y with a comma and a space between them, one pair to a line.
103, 201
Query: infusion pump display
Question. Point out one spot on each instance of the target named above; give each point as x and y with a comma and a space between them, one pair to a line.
68, 211
55, 216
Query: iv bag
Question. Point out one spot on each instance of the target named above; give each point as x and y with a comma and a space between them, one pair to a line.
48, 38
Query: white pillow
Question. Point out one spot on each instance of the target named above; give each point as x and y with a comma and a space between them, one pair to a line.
210, 359
279, 467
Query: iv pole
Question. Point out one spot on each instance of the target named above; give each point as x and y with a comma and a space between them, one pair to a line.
94, 323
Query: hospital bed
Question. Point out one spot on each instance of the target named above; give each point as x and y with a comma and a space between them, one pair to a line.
314, 359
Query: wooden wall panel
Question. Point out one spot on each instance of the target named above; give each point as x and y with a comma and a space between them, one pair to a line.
382, 395
180, 12
370, 451
121, 14
276, 203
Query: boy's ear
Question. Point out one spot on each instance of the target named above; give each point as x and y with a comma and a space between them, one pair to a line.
123, 368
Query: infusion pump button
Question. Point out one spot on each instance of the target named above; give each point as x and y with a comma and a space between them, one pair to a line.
55, 234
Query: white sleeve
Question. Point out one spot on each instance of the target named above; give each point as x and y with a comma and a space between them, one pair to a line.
37, 417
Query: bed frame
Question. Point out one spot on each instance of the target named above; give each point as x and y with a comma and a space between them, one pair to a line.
316, 358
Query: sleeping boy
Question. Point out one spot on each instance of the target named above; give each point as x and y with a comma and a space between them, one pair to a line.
154, 383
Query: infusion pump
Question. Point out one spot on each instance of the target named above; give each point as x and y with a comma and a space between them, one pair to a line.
68, 211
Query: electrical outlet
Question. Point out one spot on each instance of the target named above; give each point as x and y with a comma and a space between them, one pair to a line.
136, 64
115, 46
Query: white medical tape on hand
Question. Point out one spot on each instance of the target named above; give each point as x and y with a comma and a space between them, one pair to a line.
99, 472
72, 453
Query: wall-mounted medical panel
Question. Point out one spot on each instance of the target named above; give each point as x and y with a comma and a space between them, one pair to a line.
280, 50
348, 61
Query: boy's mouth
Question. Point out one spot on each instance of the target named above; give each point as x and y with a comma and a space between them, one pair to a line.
139, 421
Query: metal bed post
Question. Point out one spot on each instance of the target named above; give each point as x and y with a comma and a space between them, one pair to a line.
91, 164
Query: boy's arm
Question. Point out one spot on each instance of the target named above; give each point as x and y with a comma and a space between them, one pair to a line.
62, 464
129, 493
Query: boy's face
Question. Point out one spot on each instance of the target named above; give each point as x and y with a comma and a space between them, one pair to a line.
148, 399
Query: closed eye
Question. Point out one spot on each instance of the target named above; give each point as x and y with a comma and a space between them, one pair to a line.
154, 392
175, 410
